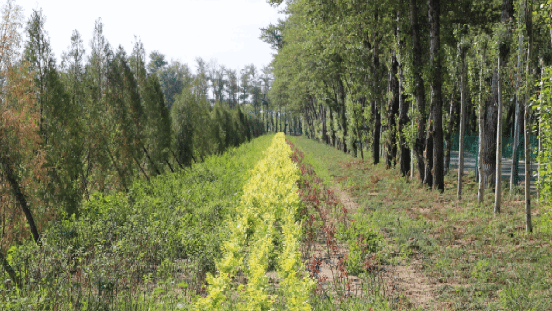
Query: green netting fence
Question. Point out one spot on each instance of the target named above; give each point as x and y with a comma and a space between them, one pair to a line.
471, 145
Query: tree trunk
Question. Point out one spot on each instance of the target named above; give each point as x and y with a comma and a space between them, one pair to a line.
120, 171
419, 91
428, 155
539, 150
150, 160
436, 93
325, 136
462, 120
498, 174
11, 176
404, 152
376, 133
332, 130
450, 128
342, 112
176, 159
514, 176
527, 129
141, 169
8, 268
412, 154
529, 26
507, 11
481, 119
392, 111
169, 165
490, 129
364, 104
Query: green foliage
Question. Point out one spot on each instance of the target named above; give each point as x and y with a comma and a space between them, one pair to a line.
364, 243
480, 260
200, 130
543, 107
173, 77
73, 137
186, 105
503, 40
139, 250
59, 126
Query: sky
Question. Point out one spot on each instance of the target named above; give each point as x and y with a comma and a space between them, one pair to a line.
226, 31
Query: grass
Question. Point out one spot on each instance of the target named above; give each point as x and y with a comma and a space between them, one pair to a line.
470, 258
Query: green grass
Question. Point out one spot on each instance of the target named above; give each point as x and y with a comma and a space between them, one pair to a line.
478, 261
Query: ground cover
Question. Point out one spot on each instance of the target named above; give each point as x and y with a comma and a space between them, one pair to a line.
439, 253
368, 239
340, 254
148, 249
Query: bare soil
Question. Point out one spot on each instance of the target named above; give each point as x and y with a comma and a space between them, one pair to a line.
403, 281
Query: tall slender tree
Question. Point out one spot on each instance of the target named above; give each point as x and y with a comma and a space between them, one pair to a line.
434, 13
419, 89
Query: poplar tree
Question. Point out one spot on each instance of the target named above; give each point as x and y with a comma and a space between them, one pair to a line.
73, 75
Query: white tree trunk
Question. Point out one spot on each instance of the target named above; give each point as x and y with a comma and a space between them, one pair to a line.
515, 158
529, 25
498, 174
462, 121
528, 223
481, 188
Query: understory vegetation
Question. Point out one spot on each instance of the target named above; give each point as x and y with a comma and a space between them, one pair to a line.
464, 257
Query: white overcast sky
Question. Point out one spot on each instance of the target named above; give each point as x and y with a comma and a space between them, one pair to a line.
223, 30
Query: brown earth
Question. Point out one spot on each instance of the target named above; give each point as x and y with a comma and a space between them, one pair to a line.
403, 280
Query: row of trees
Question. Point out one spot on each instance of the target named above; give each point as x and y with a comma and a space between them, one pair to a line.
405, 75
247, 88
217, 83
95, 122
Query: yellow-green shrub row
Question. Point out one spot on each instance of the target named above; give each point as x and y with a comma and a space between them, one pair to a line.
270, 196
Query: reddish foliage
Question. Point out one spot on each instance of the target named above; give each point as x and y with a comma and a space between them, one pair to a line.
317, 226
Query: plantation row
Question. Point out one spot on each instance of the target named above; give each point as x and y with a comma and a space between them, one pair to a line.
149, 248
265, 217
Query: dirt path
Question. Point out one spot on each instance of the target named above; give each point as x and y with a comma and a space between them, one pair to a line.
402, 279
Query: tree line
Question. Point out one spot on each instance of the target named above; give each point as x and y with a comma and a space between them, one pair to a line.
398, 78
247, 88
96, 122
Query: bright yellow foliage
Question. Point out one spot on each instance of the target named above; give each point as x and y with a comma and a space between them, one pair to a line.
270, 196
